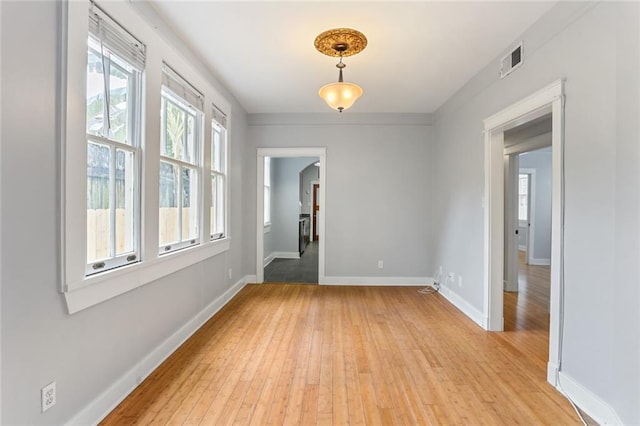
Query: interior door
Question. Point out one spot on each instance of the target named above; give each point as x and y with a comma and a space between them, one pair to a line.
316, 210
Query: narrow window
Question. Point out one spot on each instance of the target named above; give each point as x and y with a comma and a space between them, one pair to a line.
115, 63
218, 174
180, 163
523, 197
267, 191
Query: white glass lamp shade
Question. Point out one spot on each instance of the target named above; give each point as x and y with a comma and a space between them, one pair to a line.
340, 96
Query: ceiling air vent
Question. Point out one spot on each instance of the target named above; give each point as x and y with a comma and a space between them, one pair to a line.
511, 61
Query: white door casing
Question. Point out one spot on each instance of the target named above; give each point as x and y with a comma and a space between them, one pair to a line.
547, 100
288, 152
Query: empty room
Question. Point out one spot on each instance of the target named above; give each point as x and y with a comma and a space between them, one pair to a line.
319, 212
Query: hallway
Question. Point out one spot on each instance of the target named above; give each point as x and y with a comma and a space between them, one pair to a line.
303, 270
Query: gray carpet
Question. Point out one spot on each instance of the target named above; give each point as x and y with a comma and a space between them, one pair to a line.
303, 270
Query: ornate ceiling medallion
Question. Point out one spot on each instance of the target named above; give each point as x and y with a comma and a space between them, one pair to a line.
340, 42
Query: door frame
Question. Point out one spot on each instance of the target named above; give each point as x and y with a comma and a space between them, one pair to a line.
313, 182
321, 153
547, 100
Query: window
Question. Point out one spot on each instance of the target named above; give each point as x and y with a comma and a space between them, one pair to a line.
180, 163
218, 173
267, 191
115, 62
523, 197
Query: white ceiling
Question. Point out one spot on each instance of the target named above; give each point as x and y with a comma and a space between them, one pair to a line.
418, 53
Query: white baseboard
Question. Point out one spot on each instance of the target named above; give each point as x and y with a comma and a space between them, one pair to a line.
539, 262
587, 401
101, 406
464, 306
268, 259
286, 255
378, 281
280, 255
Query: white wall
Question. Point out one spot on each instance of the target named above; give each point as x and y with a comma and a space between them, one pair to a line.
378, 194
90, 351
540, 161
286, 210
595, 47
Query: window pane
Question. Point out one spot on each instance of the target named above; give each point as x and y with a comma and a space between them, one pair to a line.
118, 111
189, 204
216, 153
98, 202
188, 154
214, 203
95, 94
169, 178
523, 197
217, 205
174, 131
125, 197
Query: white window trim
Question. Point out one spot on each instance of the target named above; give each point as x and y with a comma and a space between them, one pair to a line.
225, 176
80, 291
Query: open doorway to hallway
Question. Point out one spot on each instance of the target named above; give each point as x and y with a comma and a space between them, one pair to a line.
500, 237
291, 252
284, 201
527, 256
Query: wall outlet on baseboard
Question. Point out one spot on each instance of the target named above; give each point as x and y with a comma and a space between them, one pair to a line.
48, 396
380, 264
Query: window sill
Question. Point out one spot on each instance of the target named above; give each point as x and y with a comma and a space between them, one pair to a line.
98, 288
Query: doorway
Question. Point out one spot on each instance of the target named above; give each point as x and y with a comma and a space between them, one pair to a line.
549, 100
261, 223
315, 210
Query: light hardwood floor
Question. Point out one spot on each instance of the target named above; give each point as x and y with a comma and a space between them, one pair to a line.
305, 355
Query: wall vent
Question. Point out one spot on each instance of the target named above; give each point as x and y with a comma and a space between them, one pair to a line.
511, 61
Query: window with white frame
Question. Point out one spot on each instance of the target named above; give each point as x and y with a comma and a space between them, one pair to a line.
180, 163
218, 174
115, 63
267, 191
523, 197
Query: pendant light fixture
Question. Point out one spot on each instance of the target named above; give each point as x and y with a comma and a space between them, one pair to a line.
340, 42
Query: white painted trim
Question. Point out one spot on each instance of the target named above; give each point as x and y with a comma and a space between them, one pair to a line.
286, 255
280, 255
101, 287
463, 306
589, 402
378, 281
321, 153
538, 104
539, 262
269, 259
104, 403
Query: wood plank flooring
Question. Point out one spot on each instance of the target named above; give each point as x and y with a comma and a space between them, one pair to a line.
305, 355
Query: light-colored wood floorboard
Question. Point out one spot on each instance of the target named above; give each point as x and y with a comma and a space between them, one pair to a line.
305, 355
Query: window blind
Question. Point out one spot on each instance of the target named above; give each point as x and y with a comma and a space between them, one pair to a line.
219, 116
115, 38
181, 87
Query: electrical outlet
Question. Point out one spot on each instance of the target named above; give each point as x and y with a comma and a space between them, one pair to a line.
459, 280
380, 264
230, 273
48, 396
